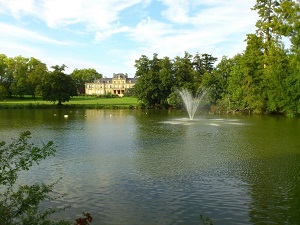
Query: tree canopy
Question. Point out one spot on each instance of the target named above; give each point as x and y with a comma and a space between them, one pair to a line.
20, 76
158, 79
57, 86
264, 78
81, 76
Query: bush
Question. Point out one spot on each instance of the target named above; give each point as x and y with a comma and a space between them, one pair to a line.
108, 96
21, 205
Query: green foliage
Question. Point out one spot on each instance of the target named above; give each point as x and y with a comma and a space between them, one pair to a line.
109, 95
265, 78
147, 87
57, 86
22, 76
157, 78
36, 72
262, 79
82, 76
20, 205
174, 99
3, 92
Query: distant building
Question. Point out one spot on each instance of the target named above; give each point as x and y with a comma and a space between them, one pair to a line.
117, 85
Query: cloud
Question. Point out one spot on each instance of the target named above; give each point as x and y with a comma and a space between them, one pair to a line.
99, 36
215, 26
9, 31
95, 14
17, 7
114, 33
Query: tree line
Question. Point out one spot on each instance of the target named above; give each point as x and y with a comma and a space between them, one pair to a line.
20, 76
265, 78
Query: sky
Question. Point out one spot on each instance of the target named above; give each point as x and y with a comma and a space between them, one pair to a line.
109, 35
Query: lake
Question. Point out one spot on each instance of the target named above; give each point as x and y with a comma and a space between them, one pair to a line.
158, 167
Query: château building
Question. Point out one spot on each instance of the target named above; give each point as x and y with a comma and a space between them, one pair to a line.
118, 85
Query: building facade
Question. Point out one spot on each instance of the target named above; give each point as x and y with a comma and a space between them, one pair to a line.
116, 85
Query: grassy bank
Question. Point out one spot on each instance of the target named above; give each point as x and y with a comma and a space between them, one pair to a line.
88, 102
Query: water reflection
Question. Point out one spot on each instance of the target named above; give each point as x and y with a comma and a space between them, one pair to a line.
270, 166
155, 167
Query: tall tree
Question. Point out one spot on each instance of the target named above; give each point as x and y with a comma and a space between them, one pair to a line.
184, 72
36, 73
202, 64
9, 78
217, 80
288, 21
275, 77
147, 86
20, 86
3, 71
266, 24
167, 79
82, 76
282, 74
57, 86
3, 67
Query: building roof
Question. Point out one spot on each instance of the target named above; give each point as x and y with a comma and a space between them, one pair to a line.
116, 76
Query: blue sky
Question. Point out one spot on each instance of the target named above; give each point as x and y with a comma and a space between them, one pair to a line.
109, 35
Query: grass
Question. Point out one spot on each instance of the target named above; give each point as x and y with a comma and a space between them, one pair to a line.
75, 102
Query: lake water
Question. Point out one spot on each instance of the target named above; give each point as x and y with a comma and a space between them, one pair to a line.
157, 167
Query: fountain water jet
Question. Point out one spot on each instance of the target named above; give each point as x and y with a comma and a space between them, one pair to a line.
191, 103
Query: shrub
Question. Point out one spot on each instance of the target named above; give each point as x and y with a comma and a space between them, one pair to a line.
21, 205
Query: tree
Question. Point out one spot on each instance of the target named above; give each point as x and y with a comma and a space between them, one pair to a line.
57, 86
8, 75
82, 76
281, 69
20, 84
36, 72
267, 26
147, 86
159, 79
184, 73
20, 206
288, 21
217, 79
246, 82
167, 80
3, 92
3, 68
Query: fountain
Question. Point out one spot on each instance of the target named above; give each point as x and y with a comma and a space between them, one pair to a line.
191, 103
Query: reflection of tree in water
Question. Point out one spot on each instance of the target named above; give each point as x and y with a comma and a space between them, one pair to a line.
274, 188
272, 171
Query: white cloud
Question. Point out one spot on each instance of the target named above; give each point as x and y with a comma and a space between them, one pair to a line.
99, 36
216, 27
17, 7
177, 10
9, 31
209, 29
95, 14
149, 31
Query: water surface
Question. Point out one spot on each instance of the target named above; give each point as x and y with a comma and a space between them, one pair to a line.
158, 167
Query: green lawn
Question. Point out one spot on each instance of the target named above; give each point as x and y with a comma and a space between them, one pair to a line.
76, 101
103, 101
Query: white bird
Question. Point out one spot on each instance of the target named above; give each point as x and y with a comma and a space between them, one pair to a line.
66, 116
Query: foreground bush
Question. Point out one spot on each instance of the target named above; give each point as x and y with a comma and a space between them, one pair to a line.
20, 205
